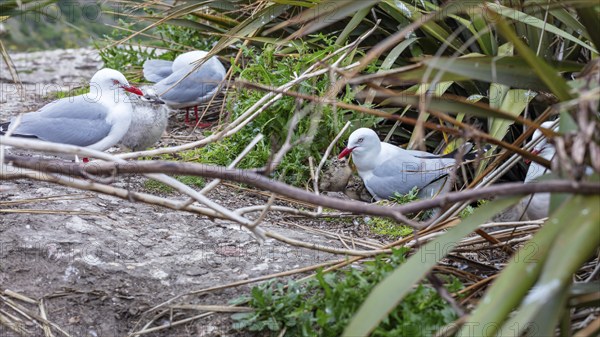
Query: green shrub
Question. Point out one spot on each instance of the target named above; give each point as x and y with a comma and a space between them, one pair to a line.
323, 306
264, 67
389, 228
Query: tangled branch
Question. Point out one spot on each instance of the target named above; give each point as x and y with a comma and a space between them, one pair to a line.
259, 181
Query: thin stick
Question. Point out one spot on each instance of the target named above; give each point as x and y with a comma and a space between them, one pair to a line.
47, 330
303, 244
236, 161
171, 324
214, 308
32, 315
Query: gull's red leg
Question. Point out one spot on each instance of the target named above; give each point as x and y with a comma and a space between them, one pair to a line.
198, 123
187, 116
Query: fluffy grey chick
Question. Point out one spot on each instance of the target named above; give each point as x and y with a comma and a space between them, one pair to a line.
148, 123
337, 176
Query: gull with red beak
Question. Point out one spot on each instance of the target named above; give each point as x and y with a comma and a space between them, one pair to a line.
386, 169
97, 120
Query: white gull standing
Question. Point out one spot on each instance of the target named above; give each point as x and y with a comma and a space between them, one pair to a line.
97, 120
179, 91
386, 169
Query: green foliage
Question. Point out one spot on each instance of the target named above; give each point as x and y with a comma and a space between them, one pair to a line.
264, 67
156, 186
192, 181
405, 198
411, 196
323, 306
152, 185
470, 209
73, 92
389, 228
466, 212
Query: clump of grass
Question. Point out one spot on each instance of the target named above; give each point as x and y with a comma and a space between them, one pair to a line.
152, 185
192, 181
84, 89
405, 198
466, 212
324, 305
470, 209
389, 228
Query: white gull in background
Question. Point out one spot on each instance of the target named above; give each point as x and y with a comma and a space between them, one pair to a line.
386, 169
199, 86
537, 205
97, 120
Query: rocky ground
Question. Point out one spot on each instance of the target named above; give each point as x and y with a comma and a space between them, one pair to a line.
99, 262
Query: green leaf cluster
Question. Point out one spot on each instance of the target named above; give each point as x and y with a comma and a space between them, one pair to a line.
322, 306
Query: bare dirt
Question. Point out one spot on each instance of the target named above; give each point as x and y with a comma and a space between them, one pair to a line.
100, 262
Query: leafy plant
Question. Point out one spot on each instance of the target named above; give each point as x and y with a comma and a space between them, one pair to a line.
322, 306
470, 209
387, 227
156, 186
405, 198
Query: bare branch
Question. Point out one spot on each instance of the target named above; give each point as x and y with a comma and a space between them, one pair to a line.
256, 180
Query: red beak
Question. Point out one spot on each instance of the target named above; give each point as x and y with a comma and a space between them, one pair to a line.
133, 90
535, 152
345, 152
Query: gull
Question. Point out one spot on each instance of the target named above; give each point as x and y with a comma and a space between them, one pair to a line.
386, 169
97, 120
179, 85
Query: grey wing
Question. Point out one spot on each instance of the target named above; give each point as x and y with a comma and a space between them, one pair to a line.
418, 153
198, 86
157, 70
401, 174
74, 120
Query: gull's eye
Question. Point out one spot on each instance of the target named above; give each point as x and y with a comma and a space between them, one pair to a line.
116, 82
360, 140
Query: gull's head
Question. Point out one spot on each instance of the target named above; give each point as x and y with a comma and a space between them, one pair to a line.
186, 59
110, 79
361, 141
